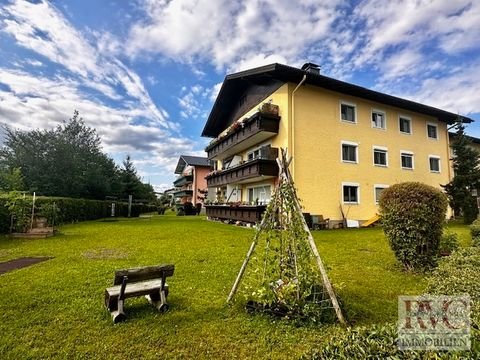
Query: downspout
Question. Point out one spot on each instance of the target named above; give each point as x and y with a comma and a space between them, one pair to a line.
292, 149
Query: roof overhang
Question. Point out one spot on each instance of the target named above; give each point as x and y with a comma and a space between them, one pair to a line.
234, 86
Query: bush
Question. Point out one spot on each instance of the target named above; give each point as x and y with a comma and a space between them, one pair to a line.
475, 232
456, 274
413, 215
459, 274
66, 210
448, 244
380, 342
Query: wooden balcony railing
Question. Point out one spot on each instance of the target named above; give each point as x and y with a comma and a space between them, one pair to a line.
183, 193
250, 171
251, 214
257, 128
183, 180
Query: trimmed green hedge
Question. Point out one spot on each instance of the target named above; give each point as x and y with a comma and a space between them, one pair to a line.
73, 210
413, 215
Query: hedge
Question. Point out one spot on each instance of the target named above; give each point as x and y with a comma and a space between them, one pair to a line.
413, 215
74, 210
456, 274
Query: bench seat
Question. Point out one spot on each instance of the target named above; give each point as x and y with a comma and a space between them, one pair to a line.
128, 283
137, 289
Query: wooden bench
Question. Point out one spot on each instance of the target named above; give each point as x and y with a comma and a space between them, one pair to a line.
149, 281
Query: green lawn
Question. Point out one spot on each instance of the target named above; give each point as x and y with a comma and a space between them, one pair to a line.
55, 309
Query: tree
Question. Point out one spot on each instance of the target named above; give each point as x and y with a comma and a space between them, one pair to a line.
65, 161
466, 167
132, 184
11, 180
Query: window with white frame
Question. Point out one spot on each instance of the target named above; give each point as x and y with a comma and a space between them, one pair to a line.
348, 112
380, 156
349, 152
260, 195
377, 191
432, 131
434, 162
351, 193
406, 159
378, 119
405, 125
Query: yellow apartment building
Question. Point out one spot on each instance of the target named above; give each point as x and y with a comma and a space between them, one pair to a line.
348, 143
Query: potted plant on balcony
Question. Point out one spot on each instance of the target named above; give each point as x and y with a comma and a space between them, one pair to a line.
269, 108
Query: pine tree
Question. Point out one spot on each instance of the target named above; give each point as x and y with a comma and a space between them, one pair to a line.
466, 167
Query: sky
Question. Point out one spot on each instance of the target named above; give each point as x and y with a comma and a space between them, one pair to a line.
145, 73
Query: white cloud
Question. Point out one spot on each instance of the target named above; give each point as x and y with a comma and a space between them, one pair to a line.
229, 33
458, 92
127, 121
43, 29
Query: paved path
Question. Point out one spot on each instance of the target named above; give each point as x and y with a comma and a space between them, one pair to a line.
20, 263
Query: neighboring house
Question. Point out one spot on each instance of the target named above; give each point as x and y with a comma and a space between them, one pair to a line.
348, 143
191, 171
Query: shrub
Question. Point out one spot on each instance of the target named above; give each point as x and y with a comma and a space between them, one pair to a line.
412, 216
66, 210
459, 274
448, 243
456, 274
475, 232
380, 342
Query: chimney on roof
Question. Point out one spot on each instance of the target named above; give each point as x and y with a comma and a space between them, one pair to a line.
311, 68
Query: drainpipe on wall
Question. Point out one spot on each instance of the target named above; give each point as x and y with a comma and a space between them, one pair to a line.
292, 129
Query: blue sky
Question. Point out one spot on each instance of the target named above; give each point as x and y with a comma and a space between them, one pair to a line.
145, 73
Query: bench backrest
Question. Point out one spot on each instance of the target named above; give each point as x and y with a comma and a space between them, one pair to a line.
144, 273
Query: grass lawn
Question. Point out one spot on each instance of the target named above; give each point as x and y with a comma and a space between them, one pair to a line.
55, 309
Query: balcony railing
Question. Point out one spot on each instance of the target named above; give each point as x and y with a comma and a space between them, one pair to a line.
183, 180
183, 193
244, 134
254, 170
251, 214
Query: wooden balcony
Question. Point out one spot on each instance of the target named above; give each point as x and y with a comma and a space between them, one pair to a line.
251, 214
183, 193
259, 127
183, 180
250, 171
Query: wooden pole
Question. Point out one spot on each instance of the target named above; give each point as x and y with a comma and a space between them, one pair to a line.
245, 262
242, 270
33, 210
313, 247
130, 205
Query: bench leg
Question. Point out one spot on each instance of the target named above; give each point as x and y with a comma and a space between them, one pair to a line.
118, 315
159, 299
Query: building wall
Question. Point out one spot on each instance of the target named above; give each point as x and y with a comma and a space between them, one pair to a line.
319, 172
316, 134
199, 182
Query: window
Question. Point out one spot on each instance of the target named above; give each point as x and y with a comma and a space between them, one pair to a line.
380, 157
434, 163
432, 131
349, 152
405, 125
259, 195
255, 154
378, 119
377, 190
407, 160
348, 112
350, 193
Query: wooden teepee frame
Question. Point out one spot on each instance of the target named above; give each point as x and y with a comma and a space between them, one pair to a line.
286, 178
